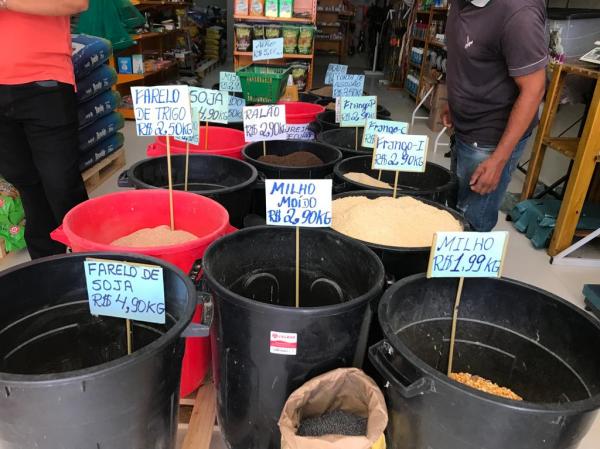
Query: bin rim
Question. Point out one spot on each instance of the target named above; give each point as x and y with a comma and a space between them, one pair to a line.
409, 249
589, 404
337, 152
248, 303
136, 356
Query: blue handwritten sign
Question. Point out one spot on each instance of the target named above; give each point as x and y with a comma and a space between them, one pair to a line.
236, 109
374, 127
299, 132
263, 49
212, 105
125, 290
162, 111
299, 202
400, 152
355, 111
230, 82
348, 85
333, 70
467, 254
194, 139
264, 123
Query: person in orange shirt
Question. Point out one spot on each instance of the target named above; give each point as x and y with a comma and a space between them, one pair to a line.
38, 114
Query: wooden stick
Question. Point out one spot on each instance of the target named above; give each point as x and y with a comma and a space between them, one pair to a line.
454, 320
187, 165
202, 422
297, 266
356, 139
206, 137
395, 182
379, 175
170, 175
264, 147
129, 335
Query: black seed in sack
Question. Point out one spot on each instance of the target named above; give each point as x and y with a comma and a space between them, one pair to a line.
337, 422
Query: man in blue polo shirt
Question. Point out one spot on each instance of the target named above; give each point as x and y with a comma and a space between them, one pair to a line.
497, 54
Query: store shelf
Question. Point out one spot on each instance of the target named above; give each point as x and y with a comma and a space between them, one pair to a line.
440, 10
414, 64
153, 35
285, 56
160, 3
438, 44
123, 78
273, 19
564, 145
418, 39
127, 113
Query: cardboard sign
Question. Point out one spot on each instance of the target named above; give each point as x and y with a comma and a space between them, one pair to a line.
194, 139
374, 127
263, 49
212, 105
467, 254
333, 70
355, 111
162, 111
400, 152
264, 123
299, 202
229, 82
299, 132
236, 109
348, 85
125, 290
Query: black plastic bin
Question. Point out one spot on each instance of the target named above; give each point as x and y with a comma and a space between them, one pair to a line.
436, 183
251, 274
326, 121
65, 376
228, 181
516, 335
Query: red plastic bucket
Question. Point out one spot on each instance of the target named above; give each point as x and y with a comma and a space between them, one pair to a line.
93, 224
298, 112
224, 141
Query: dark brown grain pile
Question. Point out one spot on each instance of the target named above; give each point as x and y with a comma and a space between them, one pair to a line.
296, 159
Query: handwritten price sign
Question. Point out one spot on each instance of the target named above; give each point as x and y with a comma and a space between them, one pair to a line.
162, 111
375, 127
467, 254
212, 105
263, 49
124, 290
333, 70
229, 82
400, 152
264, 123
348, 85
299, 132
194, 139
299, 202
355, 111
236, 109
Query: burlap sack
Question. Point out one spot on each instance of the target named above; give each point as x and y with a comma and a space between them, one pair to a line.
347, 389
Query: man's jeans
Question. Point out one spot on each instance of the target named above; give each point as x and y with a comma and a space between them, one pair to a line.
481, 211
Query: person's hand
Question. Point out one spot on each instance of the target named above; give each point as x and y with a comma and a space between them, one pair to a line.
486, 177
446, 119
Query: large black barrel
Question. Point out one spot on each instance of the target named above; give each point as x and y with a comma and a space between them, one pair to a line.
263, 346
436, 183
65, 376
519, 336
228, 181
326, 121
400, 262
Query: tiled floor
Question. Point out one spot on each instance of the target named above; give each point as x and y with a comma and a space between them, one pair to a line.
523, 261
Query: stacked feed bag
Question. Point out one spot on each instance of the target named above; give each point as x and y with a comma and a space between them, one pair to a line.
12, 229
99, 122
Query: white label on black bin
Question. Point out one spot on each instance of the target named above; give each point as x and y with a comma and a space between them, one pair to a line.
283, 343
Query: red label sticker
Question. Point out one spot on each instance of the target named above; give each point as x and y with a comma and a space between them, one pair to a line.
283, 343
14, 230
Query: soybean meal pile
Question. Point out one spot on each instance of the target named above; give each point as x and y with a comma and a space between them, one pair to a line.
401, 222
336, 422
296, 159
487, 386
158, 236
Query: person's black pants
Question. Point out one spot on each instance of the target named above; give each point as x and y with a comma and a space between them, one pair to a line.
39, 156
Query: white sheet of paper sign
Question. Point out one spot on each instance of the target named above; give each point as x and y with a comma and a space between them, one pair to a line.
194, 139
298, 202
374, 127
162, 110
264, 123
236, 109
337, 109
125, 290
348, 85
400, 152
263, 49
467, 254
355, 111
299, 132
229, 82
333, 70
212, 105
